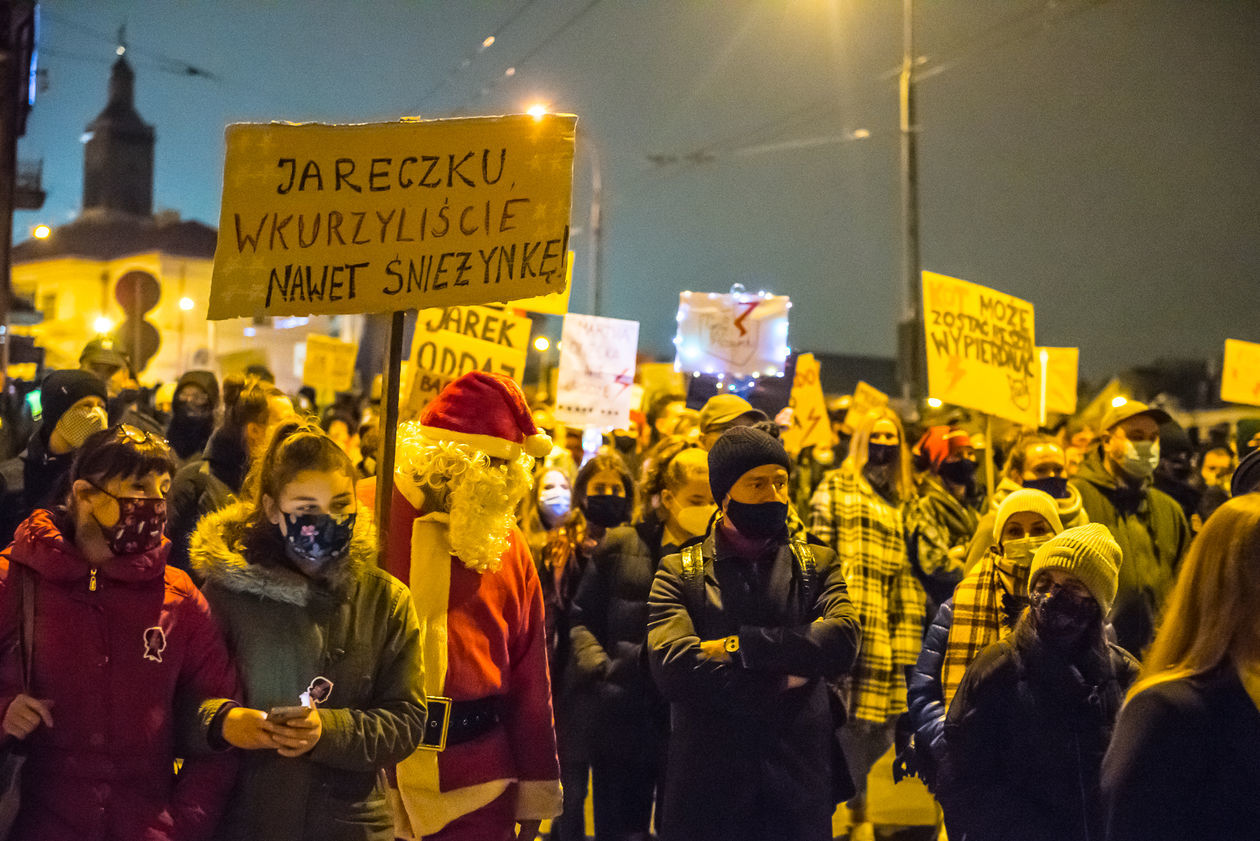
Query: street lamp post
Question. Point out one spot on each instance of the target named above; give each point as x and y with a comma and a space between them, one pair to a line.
910, 327
596, 255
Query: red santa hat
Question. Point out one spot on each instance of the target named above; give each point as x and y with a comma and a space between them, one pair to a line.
488, 412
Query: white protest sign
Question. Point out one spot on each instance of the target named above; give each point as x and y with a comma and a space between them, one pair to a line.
736, 334
597, 357
981, 350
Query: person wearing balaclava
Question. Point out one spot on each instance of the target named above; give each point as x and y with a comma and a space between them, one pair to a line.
73, 404
609, 628
1150, 526
192, 414
1026, 733
745, 629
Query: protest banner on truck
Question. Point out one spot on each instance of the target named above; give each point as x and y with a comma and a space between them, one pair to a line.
392, 216
1058, 379
737, 334
1240, 375
597, 357
450, 342
981, 350
811, 426
329, 365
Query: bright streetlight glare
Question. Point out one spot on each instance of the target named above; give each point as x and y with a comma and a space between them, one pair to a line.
1117, 402
934, 402
541, 344
41, 231
186, 304
489, 41
537, 111
102, 325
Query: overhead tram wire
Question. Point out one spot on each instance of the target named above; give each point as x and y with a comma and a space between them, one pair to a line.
542, 45
1051, 13
467, 60
163, 62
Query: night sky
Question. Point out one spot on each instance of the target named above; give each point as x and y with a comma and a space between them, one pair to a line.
1096, 158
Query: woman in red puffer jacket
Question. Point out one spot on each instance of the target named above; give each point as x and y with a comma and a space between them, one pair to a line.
125, 654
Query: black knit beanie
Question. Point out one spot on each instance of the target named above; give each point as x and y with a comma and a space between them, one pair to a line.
62, 389
739, 450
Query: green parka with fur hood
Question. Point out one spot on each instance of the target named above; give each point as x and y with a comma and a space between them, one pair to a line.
358, 629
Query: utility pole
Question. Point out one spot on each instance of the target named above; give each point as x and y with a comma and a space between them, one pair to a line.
910, 326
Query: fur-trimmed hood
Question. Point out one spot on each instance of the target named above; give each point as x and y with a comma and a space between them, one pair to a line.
217, 555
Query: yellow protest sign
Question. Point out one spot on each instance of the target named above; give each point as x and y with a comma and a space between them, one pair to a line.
810, 424
329, 365
453, 341
1058, 379
981, 350
867, 400
392, 216
1240, 375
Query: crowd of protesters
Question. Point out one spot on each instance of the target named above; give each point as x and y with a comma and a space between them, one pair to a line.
201, 638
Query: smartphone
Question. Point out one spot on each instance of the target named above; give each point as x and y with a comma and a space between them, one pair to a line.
282, 714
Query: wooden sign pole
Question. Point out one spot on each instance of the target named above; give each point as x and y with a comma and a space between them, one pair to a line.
988, 455
389, 429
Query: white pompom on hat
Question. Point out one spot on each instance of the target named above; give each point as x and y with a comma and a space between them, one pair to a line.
1088, 553
487, 412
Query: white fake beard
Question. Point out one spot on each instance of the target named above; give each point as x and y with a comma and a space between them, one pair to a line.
480, 498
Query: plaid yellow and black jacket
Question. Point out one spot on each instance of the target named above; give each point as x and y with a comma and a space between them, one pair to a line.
868, 533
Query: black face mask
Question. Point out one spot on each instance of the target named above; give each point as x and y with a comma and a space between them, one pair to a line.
959, 472
1062, 617
607, 510
758, 520
1056, 486
881, 454
315, 540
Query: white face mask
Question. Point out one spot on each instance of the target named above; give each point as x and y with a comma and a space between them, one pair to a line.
694, 519
1022, 550
78, 423
1140, 458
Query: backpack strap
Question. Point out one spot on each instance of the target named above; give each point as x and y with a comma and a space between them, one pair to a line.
693, 579
808, 571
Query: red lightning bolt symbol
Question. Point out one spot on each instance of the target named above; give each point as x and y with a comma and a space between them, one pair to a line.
739, 322
955, 371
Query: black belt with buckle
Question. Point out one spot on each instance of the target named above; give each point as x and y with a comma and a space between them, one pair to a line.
455, 722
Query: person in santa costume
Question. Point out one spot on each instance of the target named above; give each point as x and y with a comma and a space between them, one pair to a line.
489, 762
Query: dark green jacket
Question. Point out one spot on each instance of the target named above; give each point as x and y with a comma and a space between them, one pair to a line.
359, 630
1153, 535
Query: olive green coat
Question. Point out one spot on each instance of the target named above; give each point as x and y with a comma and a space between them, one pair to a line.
359, 630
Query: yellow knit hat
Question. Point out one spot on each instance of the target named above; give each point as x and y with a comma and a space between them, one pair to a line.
1089, 553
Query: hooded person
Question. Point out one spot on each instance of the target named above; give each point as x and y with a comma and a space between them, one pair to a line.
73, 404
983, 610
745, 629
193, 408
942, 520
489, 761
1116, 489
1026, 734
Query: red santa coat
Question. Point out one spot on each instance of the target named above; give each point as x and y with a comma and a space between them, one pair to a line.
483, 636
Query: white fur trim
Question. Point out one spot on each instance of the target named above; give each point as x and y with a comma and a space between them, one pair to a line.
429, 810
538, 446
491, 445
537, 800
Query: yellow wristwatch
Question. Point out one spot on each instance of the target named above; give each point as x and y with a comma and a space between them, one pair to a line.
731, 644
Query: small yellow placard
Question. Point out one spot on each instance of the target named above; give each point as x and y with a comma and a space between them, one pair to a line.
1240, 375
811, 426
326, 219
